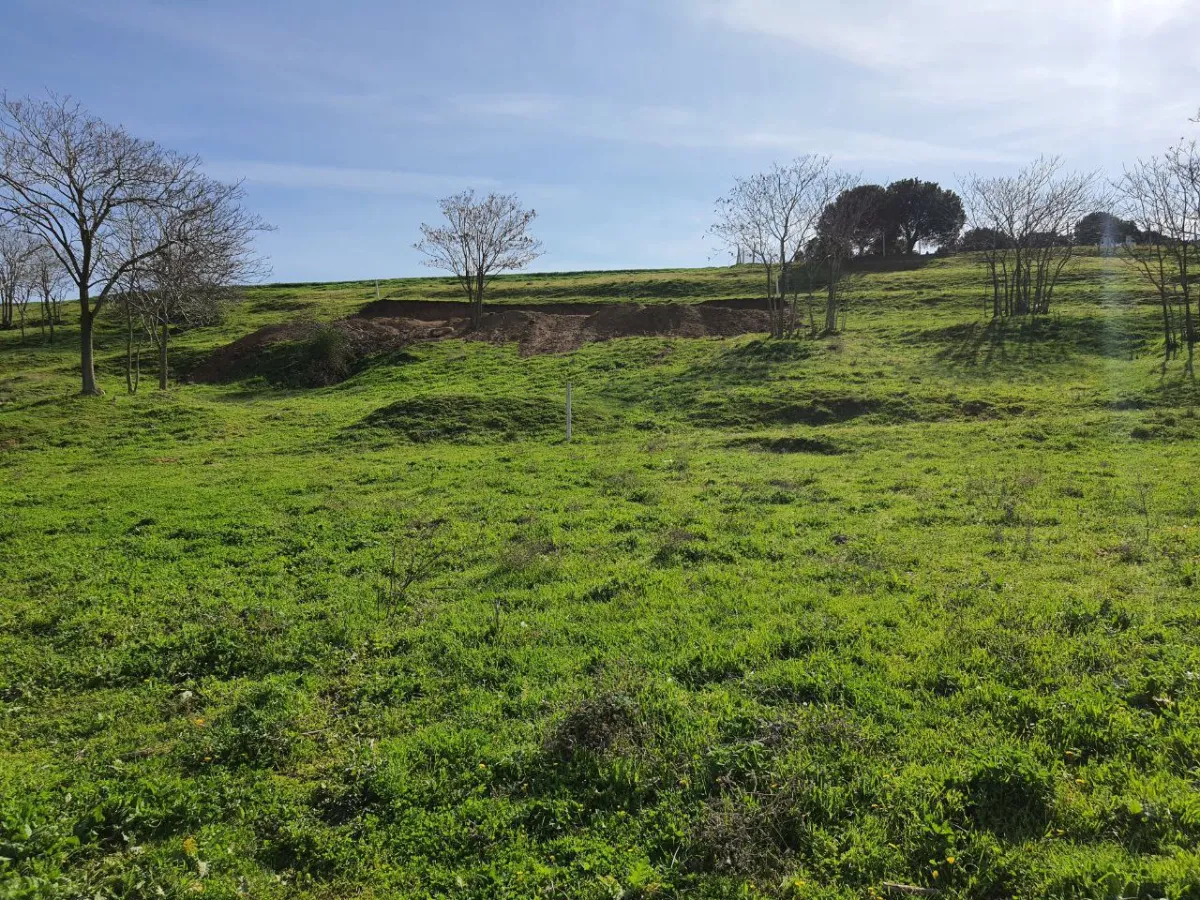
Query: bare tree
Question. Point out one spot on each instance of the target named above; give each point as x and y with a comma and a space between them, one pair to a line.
480, 239
72, 180
204, 254
16, 253
837, 231
1032, 216
741, 227
24, 294
1162, 196
771, 216
48, 280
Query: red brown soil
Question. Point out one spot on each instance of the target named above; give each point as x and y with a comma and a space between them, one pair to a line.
536, 332
388, 325
232, 358
561, 327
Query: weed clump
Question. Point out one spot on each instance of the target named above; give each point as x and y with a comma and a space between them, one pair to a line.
324, 358
609, 721
751, 833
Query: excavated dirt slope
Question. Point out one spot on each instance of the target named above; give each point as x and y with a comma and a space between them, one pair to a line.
387, 325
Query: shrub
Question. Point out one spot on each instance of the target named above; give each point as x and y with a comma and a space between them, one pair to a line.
324, 358
597, 724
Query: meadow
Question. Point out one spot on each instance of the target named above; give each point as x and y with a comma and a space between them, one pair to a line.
914, 606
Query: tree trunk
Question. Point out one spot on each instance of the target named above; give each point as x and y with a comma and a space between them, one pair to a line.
87, 368
1189, 332
130, 386
162, 358
475, 295
831, 301
775, 315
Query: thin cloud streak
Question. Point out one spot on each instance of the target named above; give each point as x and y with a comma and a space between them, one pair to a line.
373, 181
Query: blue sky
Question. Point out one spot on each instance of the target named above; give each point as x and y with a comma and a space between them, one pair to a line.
619, 121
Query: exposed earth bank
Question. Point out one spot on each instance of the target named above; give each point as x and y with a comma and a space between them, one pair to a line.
388, 325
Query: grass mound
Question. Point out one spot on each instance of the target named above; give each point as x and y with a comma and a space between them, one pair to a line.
474, 419
739, 409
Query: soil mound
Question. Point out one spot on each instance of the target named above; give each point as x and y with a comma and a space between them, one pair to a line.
234, 359
286, 352
307, 353
538, 332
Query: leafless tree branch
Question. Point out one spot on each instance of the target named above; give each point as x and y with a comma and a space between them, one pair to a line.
78, 185
480, 239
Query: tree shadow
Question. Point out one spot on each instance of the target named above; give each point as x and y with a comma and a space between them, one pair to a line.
748, 363
1018, 344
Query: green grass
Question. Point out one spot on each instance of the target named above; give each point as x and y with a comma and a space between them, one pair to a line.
913, 604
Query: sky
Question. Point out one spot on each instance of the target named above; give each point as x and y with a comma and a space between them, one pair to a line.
619, 121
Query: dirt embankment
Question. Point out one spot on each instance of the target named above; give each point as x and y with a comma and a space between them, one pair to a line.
442, 310
388, 325
535, 331
262, 352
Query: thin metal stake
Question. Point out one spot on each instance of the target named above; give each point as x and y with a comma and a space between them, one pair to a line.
568, 411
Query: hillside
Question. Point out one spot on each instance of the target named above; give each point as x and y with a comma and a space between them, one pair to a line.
915, 604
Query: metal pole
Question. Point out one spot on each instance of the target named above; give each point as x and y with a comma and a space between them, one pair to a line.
568, 411
376, 288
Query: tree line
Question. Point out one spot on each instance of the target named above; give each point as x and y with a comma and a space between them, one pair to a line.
1025, 228
120, 222
804, 222
116, 220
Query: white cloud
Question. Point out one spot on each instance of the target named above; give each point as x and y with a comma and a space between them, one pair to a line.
847, 146
691, 128
513, 106
990, 38
374, 181
1055, 69
978, 81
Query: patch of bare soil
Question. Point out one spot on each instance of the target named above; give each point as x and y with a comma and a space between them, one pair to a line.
390, 325
538, 332
356, 338
228, 361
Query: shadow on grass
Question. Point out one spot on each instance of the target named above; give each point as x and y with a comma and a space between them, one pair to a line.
186, 360
748, 363
791, 444
1014, 344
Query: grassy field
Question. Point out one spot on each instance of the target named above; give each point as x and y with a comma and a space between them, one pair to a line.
915, 604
